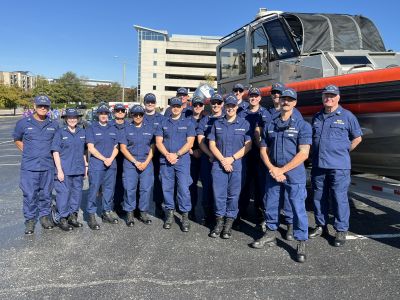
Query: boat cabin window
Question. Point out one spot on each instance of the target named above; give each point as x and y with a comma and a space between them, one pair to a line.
259, 52
279, 39
233, 58
353, 60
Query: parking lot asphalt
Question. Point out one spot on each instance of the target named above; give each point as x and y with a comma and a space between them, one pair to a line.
148, 262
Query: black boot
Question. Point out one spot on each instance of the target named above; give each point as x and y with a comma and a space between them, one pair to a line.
130, 220
46, 222
144, 217
169, 220
268, 238
30, 226
92, 222
216, 232
301, 251
289, 233
63, 224
318, 231
227, 231
159, 212
109, 217
185, 222
340, 238
73, 220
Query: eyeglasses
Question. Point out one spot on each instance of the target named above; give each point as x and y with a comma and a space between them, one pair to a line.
216, 102
42, 106
276, 92
198, 104
137, 115
120, 110
238, 90
103, 113
150, 102
176, 106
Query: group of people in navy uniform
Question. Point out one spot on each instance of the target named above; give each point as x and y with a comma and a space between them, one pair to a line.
239, 150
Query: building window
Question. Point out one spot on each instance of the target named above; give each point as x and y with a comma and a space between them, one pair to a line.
154, 75
155, 50
154, 87
154, 63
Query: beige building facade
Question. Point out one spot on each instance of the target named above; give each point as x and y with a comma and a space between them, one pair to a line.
21, 79
166, 62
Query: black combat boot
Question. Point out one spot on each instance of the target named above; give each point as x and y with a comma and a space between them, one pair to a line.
144, 217
340, 238
46, 222
109, 217
63, 224
130, 220
227, 231
30, 226
216, 232
73, 220
185, 225
169, 220
92, 222
289, 233
269, 238
318, 231
301, 251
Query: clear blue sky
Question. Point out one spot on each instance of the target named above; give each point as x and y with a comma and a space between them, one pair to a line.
52, 37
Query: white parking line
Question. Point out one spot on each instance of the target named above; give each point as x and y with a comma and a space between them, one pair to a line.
16, 164
10, 155
373, 236
6, 142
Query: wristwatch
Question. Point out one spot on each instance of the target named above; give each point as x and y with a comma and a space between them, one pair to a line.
178, 154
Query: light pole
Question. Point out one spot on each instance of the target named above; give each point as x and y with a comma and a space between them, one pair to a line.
123, 78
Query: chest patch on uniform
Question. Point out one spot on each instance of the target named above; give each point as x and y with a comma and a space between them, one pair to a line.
51, 128
182, 127
146, 133
98, 133
240, 129
339, 121
112, 133
30, 128
165, 128
65, 137
82, 137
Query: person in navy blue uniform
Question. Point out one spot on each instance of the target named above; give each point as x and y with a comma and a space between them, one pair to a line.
102, 142
195, 155
336, 132
253, 168
71, 166
153, 117
207, 158
229, 141
137, 145
174, 139
187, 110
285, 146
119, 122
276, 91
33, 136
238, 91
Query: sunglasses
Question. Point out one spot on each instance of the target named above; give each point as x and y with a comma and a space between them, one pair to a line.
42, 106
176, 106
276, 92
198, 104
238, 90
150, 102
120, 110
137, 115
216, 102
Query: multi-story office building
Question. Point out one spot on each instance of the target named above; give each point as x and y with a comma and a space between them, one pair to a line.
21, 79
166, 62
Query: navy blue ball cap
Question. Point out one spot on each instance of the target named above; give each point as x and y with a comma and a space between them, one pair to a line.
175, 101
149, 97
289, 92
197, 100
182, 91
103, 108
278, 86
255, 91
238, 86
71, 112
137, 109
331, 89
216, 97
42, 100
231, 99
119, 106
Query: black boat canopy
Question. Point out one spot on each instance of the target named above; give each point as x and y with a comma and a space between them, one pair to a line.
334, 32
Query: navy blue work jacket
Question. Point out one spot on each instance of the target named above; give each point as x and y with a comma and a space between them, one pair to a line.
37, 137
71, 147
332, 139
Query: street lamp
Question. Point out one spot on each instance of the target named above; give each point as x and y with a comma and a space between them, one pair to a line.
123, 78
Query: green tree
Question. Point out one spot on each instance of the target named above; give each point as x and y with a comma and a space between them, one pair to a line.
13, 97
107, 93
131, 94
69, 89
